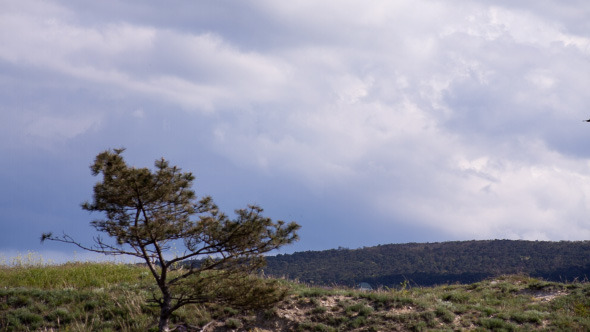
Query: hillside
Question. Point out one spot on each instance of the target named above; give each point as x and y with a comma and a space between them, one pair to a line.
426, 264
113, 297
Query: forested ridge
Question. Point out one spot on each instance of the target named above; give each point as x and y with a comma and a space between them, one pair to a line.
426, 264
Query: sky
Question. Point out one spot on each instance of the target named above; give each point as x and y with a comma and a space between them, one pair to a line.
366, 122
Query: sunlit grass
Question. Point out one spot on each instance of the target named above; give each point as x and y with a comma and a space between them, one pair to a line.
33, 271
24, 260
86, 296
71, 275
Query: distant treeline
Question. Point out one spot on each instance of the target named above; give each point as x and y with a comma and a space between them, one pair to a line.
427, 264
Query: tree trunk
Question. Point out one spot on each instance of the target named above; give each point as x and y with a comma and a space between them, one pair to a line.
165, 310
163, 325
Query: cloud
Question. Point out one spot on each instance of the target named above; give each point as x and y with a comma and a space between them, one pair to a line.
486, 89
196, 71
461, 119
47, 127
489, 197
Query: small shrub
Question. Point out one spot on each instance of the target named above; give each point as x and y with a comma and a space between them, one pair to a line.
460, 309
365, 311
230, 311
582, 309
419, 327
496, 324
314, 292
507, 288
373, 329
337, 320
233, 323
429, 317
301, 301
91, 305
19, 300
456, 297
488, 311
29, 319
319, 310
538, 285
359, 308
445, 315
61, 316
319, 327
531, 316
270, 313
358, 322
322, 328
379, 299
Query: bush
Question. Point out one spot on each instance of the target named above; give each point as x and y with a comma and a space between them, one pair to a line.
27, 318
456, 297
319, 327
530, 316
445, 315
495, 324
233, 323
429, 318
358, 322
230, 311
359, 308
314, 292
319, 310
60, 316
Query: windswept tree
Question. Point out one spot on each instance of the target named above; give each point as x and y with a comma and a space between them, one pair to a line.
148, 213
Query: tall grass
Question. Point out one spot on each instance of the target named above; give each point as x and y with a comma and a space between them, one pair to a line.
71, 275
24, 260
85, 296
35, 296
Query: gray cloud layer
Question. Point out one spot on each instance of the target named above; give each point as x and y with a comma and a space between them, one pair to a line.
443, 119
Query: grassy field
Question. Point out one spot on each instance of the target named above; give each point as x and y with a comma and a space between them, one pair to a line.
113, 297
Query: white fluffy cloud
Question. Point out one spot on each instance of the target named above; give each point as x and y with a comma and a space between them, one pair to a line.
442, 127
460, 117
198, 71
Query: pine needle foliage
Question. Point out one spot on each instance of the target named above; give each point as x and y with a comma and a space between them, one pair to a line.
147, 213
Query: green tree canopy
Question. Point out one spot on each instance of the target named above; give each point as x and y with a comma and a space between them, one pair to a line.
147, 213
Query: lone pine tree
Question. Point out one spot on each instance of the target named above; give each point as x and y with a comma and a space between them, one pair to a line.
147, 213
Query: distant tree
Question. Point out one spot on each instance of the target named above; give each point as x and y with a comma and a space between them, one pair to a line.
149, 212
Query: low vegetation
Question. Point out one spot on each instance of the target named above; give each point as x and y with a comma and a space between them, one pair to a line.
113, 297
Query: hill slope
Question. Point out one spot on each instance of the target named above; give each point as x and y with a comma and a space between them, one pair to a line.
108, 297
426, 264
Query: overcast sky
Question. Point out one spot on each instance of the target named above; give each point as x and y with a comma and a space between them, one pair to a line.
367, 122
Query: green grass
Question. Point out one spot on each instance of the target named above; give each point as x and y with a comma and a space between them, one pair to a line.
113, 297
509, 303
78, 297
60, 309
72, 275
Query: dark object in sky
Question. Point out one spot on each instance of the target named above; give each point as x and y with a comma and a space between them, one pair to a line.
586, 120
